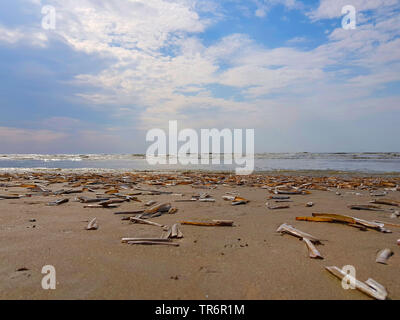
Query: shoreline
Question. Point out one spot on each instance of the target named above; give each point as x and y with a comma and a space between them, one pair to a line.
313, 173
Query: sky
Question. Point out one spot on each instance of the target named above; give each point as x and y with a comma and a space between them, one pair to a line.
112, 70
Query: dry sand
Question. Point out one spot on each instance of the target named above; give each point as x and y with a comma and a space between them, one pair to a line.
247, 261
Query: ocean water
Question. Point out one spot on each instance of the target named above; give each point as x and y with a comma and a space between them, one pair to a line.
263, 162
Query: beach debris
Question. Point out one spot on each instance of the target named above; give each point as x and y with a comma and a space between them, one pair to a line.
176, 232
154, 192
99, 206
291, 192
236, 200
352, 221
112, 191
58, 202
365, 207
312, 250
388, 202
239, 200
279, 206
92, 225
204, 195
378, 194
383, 256
207, 200
22, 269
95, 200
130, 212
69, 191
107, 203
9, 197
398, 242
162, 207
186, 200
315, 219
172, 210
126, 240
279, 197
309, 204
369, 287
150, 203
214, 223
148, 242
139, 220
288, 229
167, 233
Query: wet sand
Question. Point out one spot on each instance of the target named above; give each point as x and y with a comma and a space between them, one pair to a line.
247, 261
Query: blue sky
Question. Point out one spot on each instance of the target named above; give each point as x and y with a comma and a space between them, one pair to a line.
111, 70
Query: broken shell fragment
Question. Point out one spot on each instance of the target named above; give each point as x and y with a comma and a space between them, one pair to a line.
105, 206
93, 225
172, 210
206, 200
162, 207
214, 223
388, 202
279, 197
365, 207
383, 256
176, 232
173, 244
58, 202
310, 204
285, 228
150, 203
138, 220
126, 240
279, 206
312, 250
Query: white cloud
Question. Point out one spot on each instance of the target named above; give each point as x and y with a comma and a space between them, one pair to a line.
14, 36
155, 86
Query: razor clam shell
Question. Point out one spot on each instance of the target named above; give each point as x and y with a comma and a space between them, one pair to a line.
206, 200
312, 250
162, 207
150, 203
167, 233
285, 228
383, 256
138, 220
370, 287
58, 202
155, 243
125, 240
92, 225
176, 232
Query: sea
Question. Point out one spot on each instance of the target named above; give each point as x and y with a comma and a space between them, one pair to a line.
366, 162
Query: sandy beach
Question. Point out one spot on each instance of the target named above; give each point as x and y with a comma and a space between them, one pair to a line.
249, 260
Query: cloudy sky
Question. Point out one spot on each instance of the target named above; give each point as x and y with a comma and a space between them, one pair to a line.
111, 70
